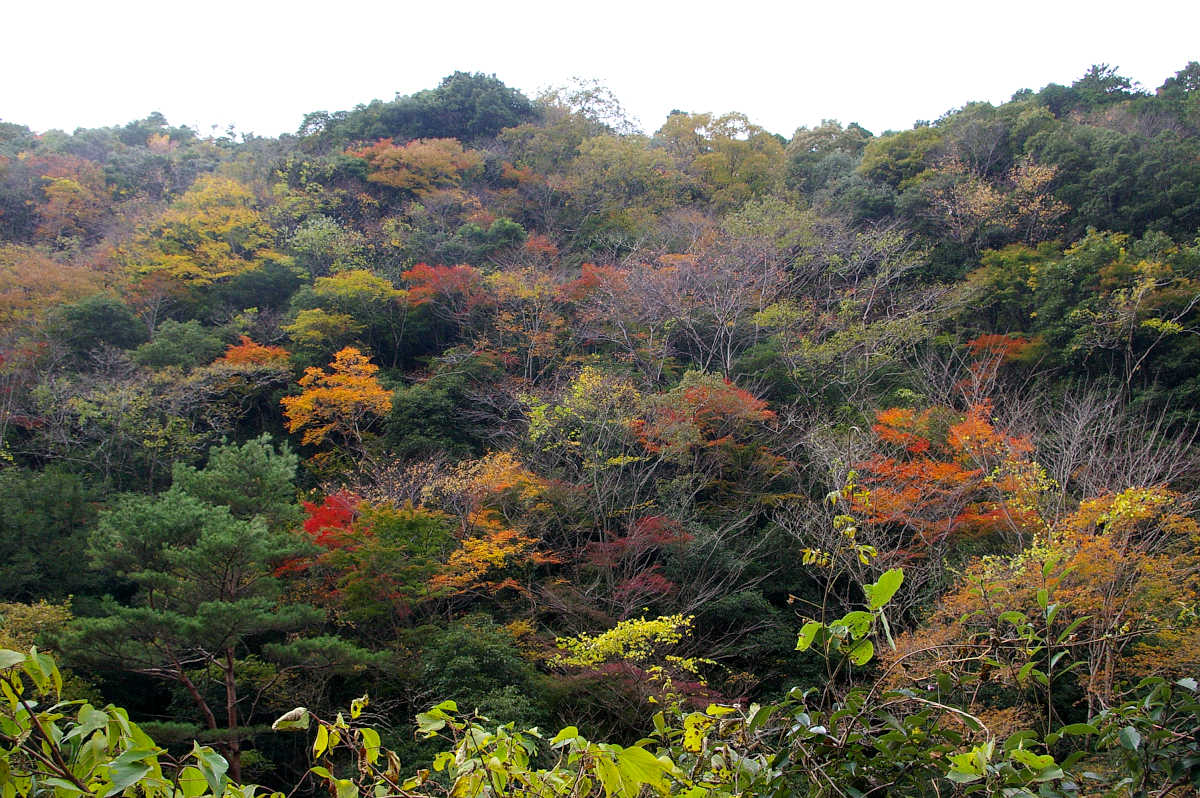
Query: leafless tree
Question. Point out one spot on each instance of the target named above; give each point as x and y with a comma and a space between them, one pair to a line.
1093, 443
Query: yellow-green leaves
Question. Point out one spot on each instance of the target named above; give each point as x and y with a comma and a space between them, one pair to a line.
211, 233
431, 722
849, 636
633, 640
881, 592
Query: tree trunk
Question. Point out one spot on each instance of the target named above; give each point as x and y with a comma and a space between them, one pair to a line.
233, 745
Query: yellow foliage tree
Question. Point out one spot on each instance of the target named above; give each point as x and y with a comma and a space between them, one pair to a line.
529, 326
489, 497
340, 405
211, 233
481, 565
637, 640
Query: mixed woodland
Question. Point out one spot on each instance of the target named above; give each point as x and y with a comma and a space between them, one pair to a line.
848, 463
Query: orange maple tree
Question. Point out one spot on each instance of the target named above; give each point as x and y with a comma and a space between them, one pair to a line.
339, 405
249, 353
420, 166
949, 476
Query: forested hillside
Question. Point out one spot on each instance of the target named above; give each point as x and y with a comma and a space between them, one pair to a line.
848, 463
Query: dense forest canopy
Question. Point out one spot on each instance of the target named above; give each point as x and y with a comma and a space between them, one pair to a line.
500, 406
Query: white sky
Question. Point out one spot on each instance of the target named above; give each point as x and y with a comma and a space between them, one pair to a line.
261, 64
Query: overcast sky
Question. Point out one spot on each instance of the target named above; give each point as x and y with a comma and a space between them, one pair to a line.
261, 65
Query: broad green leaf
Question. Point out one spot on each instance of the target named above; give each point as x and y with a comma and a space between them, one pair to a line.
641, 766
1037, 762
9, 658
370, 741
192, 782
34, 670
429, 724
62, 787
862, 652
881, 592
1017, 619
1026, 669
89, 720
1017, 739
758, 716
1078, 728
609, 776
808, 633
129, 768
1130, 738
125, 775
964, 768
858, 622
569, 733
212, 765
1049, 773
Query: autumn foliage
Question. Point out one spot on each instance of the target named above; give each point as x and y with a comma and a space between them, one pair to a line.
948, 477
535, 378
1109, 585
248, 353
419, 166
457, 288
341, 404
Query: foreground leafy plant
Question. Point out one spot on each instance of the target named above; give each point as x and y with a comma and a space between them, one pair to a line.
49, 746
869, 741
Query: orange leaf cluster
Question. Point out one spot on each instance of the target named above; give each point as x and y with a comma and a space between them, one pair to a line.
457, 286
966, 478
341, 402
1121, 567
248, 353
420, 166
991, 352
539, 245
478, 565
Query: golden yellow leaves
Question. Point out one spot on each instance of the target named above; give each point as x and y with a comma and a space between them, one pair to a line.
342, 403
212, 232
